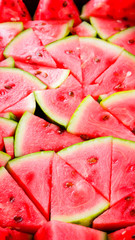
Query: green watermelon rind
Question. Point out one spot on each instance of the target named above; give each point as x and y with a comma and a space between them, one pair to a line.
9, 122
121, 34
88, 27
63, 77
95, 25
4, 157
10, 116
17, 25
10, 62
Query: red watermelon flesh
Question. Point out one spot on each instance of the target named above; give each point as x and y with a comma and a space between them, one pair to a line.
92, 159
4, 158
118, 77
35, 134
50, 31
107, 27
26, 47
125, 39
8, 234
63, 10
9, 146
66, 52
123, 234
92, 120
52, 77
26, 171
123, 166
96, 56
9, 62
13, 11
56, 230
120, 215
16, 84
84, 29
72, 198
17, 211
26, 104
59, 104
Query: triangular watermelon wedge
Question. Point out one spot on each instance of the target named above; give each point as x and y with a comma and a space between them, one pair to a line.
59, 104
127, 233
97, 122
56, 230
17, 211
72, 198
84, 29
120, 215
9, 62
26, 171
9, 145
28, 48
35, 134
63, 10
89, 159
66, 52
4, 158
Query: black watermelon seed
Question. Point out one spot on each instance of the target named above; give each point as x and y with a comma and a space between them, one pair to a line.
132, 212
133, 236
130, 41
71, 94
84, 137
64, 3
18, 219
92, 160
12, 199
106, 117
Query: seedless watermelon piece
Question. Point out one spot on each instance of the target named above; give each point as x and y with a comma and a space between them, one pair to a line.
120, 215
107, 27
9, 146
35, 134
16, 84
9, 62
26, 104
63, 10
59, 104
27, 47
56, 230
66, 53
123, 165
26, 171
125, 39
121, 105
125, 233
4, 158
84, 29
92, 159
72, 198
96, 56
50, 31
6, 233
92, 120
52, 77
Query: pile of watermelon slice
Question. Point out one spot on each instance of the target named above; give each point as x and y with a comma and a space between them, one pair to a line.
67, 121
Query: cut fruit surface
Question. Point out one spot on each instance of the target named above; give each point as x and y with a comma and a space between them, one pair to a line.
59, 104
8, 115
22, 214
125, 233
52, 77
89, 159
4, 158
9, 62
28, 48
35, 134
84, 29
72, 198
7, 233
9, 146
97, 122
26, 171
66, 52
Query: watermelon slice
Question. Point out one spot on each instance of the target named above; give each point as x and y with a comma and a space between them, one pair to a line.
26, 104
22, 213
123, 165
8, 115
63, 10
4, 158
15, 85
89, 159
125, 233
27, 47
97, 122
59, 104
26, 171
35, 134
121, 105
120, 215
84, 29
9, 146
96, 56
13, 11
72, 198
56, 230
66, 52
9, 62
106, 27
7, 234
50, 31
52, 77
125, 39
8, 31
118, 77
